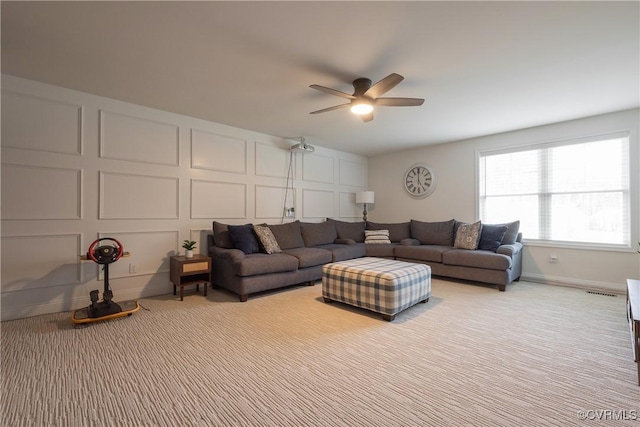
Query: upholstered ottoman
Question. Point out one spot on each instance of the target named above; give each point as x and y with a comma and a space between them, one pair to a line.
381, 285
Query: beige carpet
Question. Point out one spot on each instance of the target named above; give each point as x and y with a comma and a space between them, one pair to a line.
534, 355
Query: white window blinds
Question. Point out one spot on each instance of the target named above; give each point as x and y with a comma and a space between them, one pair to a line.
572, 191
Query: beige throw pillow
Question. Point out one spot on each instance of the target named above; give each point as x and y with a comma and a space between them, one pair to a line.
468, 236
267, 239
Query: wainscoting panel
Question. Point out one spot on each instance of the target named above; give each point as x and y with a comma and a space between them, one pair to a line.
52, 261
127, 196
218, 200
149, 252
347, 206
273, 161
270, 201
27, 193
353, 173
76, 164
125, 137
218, 152
317, 168
39, 124
318, 204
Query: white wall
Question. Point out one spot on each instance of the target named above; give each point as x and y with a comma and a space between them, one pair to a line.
76, 167
455, 197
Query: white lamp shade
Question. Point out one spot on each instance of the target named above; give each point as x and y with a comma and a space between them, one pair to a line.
365, 197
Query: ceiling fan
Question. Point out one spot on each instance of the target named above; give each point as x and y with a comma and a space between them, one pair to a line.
365, 96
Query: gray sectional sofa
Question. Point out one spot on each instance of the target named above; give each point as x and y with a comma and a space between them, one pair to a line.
301, 249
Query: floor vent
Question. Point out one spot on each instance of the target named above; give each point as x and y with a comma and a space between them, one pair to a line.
601, 293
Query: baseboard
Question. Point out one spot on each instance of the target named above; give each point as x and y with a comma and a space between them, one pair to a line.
59, 306
590, 285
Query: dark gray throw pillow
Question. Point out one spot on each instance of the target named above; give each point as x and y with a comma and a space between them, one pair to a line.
244, 238
491, 237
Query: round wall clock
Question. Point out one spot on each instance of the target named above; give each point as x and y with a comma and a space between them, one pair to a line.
419, 181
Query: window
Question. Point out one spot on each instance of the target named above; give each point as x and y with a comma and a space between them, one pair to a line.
565, 192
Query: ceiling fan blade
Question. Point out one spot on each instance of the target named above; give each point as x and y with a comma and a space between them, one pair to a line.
399, 102
335, 107
384, 85
367, 117
332, 91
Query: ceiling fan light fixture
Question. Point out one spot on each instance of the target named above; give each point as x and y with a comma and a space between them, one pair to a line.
361, 108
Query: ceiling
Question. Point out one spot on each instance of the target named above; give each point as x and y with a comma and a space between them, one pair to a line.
482, 67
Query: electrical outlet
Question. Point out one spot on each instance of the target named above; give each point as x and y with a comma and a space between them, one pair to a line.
289, 212
132, 268
553, 259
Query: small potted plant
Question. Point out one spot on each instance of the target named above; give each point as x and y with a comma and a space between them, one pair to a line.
189, 245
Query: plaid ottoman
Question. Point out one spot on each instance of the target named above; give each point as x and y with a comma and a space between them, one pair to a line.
381, 285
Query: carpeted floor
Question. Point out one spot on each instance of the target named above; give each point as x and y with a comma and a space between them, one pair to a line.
534, 355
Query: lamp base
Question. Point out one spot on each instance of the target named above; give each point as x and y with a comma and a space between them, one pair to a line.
364, 213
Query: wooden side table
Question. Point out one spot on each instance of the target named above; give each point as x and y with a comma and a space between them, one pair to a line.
190, 271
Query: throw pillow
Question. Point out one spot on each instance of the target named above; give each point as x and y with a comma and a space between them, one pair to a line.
267, 239
491, 237
468, 236
397, 230
376, 236
243, 238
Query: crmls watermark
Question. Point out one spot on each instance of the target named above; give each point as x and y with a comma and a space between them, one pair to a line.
608, 415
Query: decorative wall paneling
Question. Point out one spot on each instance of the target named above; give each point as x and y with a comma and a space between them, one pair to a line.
273, 161
353, 173
318, 168
318, 204
218, 152
137, 139
211, 199
41, 124
78, 166
269, 202
128, 196
36, 192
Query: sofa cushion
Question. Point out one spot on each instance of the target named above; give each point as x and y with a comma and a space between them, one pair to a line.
491, 237
349, 230
434, 233
244, 238
478, 259
259, 263
344, 252
267, 239
309, 257
288, 235
318, 233
221, 235
511, 236
380, 251
376, 237
468, 235
397, 231
431, 253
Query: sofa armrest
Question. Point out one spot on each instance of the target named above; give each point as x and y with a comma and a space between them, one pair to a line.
410, 242
510, 250
345, 242
233, 255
